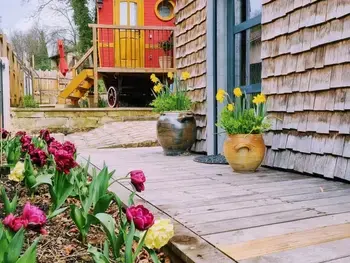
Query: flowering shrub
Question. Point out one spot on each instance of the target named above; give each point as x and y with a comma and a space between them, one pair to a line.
242, 116
171, 99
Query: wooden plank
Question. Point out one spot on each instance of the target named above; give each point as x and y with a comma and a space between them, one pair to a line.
312, 254
269, 245
249, 234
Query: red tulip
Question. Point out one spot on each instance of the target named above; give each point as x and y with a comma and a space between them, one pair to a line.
45, 135
15, 223
69, 147
138, 179
64, 161
38, 157
55, 146
4, 133
26, 142
142, 217
20, 133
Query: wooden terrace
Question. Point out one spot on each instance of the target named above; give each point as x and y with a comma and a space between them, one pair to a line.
220, 216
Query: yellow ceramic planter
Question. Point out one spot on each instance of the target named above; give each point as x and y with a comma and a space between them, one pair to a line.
244, 152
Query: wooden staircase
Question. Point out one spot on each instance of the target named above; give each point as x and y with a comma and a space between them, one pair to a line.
79, 85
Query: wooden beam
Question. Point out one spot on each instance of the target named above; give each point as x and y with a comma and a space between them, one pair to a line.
134, 70
81, 61
132, 27
95, 54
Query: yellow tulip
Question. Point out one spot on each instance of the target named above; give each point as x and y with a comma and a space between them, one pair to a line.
220, 95
154, 79
237, 92
159, 234
170, 75
231, 107
185, 75
17, 173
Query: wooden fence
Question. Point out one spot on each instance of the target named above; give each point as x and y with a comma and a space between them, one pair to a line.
17, 75
48, 85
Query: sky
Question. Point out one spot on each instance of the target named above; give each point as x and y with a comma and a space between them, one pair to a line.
18, 16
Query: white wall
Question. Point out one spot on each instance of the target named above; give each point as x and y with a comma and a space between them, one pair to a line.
6, 93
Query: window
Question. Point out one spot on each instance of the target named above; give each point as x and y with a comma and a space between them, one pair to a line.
164, 10
125, 19
245, 45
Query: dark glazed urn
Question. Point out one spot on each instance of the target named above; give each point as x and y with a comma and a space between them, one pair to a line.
176, 132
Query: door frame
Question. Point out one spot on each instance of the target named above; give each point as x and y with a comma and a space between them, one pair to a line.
140, 22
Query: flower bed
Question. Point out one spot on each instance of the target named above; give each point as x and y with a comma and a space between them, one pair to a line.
51, 209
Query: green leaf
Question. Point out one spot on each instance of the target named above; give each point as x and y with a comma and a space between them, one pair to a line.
108, 224
3, 242
106, 249
62, 190
78, 218
103, 204
153, 255
97, 256
139, 246
131, 199
30, 255
9, 207
15, 247
57, 212
43, 179
129, 243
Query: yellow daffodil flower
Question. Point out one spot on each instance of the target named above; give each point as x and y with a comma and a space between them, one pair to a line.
237, 92
159, 234
258, 99
17, 173
158, 88
220, 95
170, 75
154, 79
231, 107
185, 75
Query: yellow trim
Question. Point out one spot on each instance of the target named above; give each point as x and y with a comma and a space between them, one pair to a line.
146, 46
158, 14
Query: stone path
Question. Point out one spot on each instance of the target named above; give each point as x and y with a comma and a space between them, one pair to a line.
117, 135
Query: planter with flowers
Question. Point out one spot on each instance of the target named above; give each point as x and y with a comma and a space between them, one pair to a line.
176, 126
166, 60
244, 121
53, 210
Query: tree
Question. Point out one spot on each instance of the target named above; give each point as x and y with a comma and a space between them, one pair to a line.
82, 19
32, 43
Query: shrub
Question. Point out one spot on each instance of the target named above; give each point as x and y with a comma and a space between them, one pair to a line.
29, 102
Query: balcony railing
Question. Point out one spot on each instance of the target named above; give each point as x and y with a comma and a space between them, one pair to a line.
133, 48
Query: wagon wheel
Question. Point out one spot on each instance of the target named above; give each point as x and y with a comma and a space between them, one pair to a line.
112, 97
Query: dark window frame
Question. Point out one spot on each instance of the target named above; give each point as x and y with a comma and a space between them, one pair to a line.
232, 31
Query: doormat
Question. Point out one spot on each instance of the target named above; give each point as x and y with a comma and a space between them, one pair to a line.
211, 159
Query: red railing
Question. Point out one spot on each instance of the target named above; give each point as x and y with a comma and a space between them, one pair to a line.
134, 49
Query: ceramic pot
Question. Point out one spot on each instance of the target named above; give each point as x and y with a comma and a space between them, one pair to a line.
165, 61
176, 132
244, 152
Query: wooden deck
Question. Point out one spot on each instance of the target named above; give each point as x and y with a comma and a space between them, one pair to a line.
268, 217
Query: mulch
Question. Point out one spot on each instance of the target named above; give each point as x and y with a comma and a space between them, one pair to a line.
62, 244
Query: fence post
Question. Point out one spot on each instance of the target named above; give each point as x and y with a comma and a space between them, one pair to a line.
94, 39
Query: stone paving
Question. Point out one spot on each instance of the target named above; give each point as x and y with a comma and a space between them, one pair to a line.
117, 135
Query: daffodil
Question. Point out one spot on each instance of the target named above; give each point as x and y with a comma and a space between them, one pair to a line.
158, 87
17, 173
159, 234
170, 75
154, 79
220, 95
237, 92
185, 75
231, 107
258, 99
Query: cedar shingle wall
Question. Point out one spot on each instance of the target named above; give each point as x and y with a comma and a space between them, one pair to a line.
191, 56
306, 75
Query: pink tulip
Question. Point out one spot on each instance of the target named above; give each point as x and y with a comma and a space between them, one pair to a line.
34, 215
138, 179
142, 217
15, 223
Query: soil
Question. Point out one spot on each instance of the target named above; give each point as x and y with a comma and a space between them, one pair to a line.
62, 244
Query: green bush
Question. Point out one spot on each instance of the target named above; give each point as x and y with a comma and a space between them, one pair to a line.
29, 102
